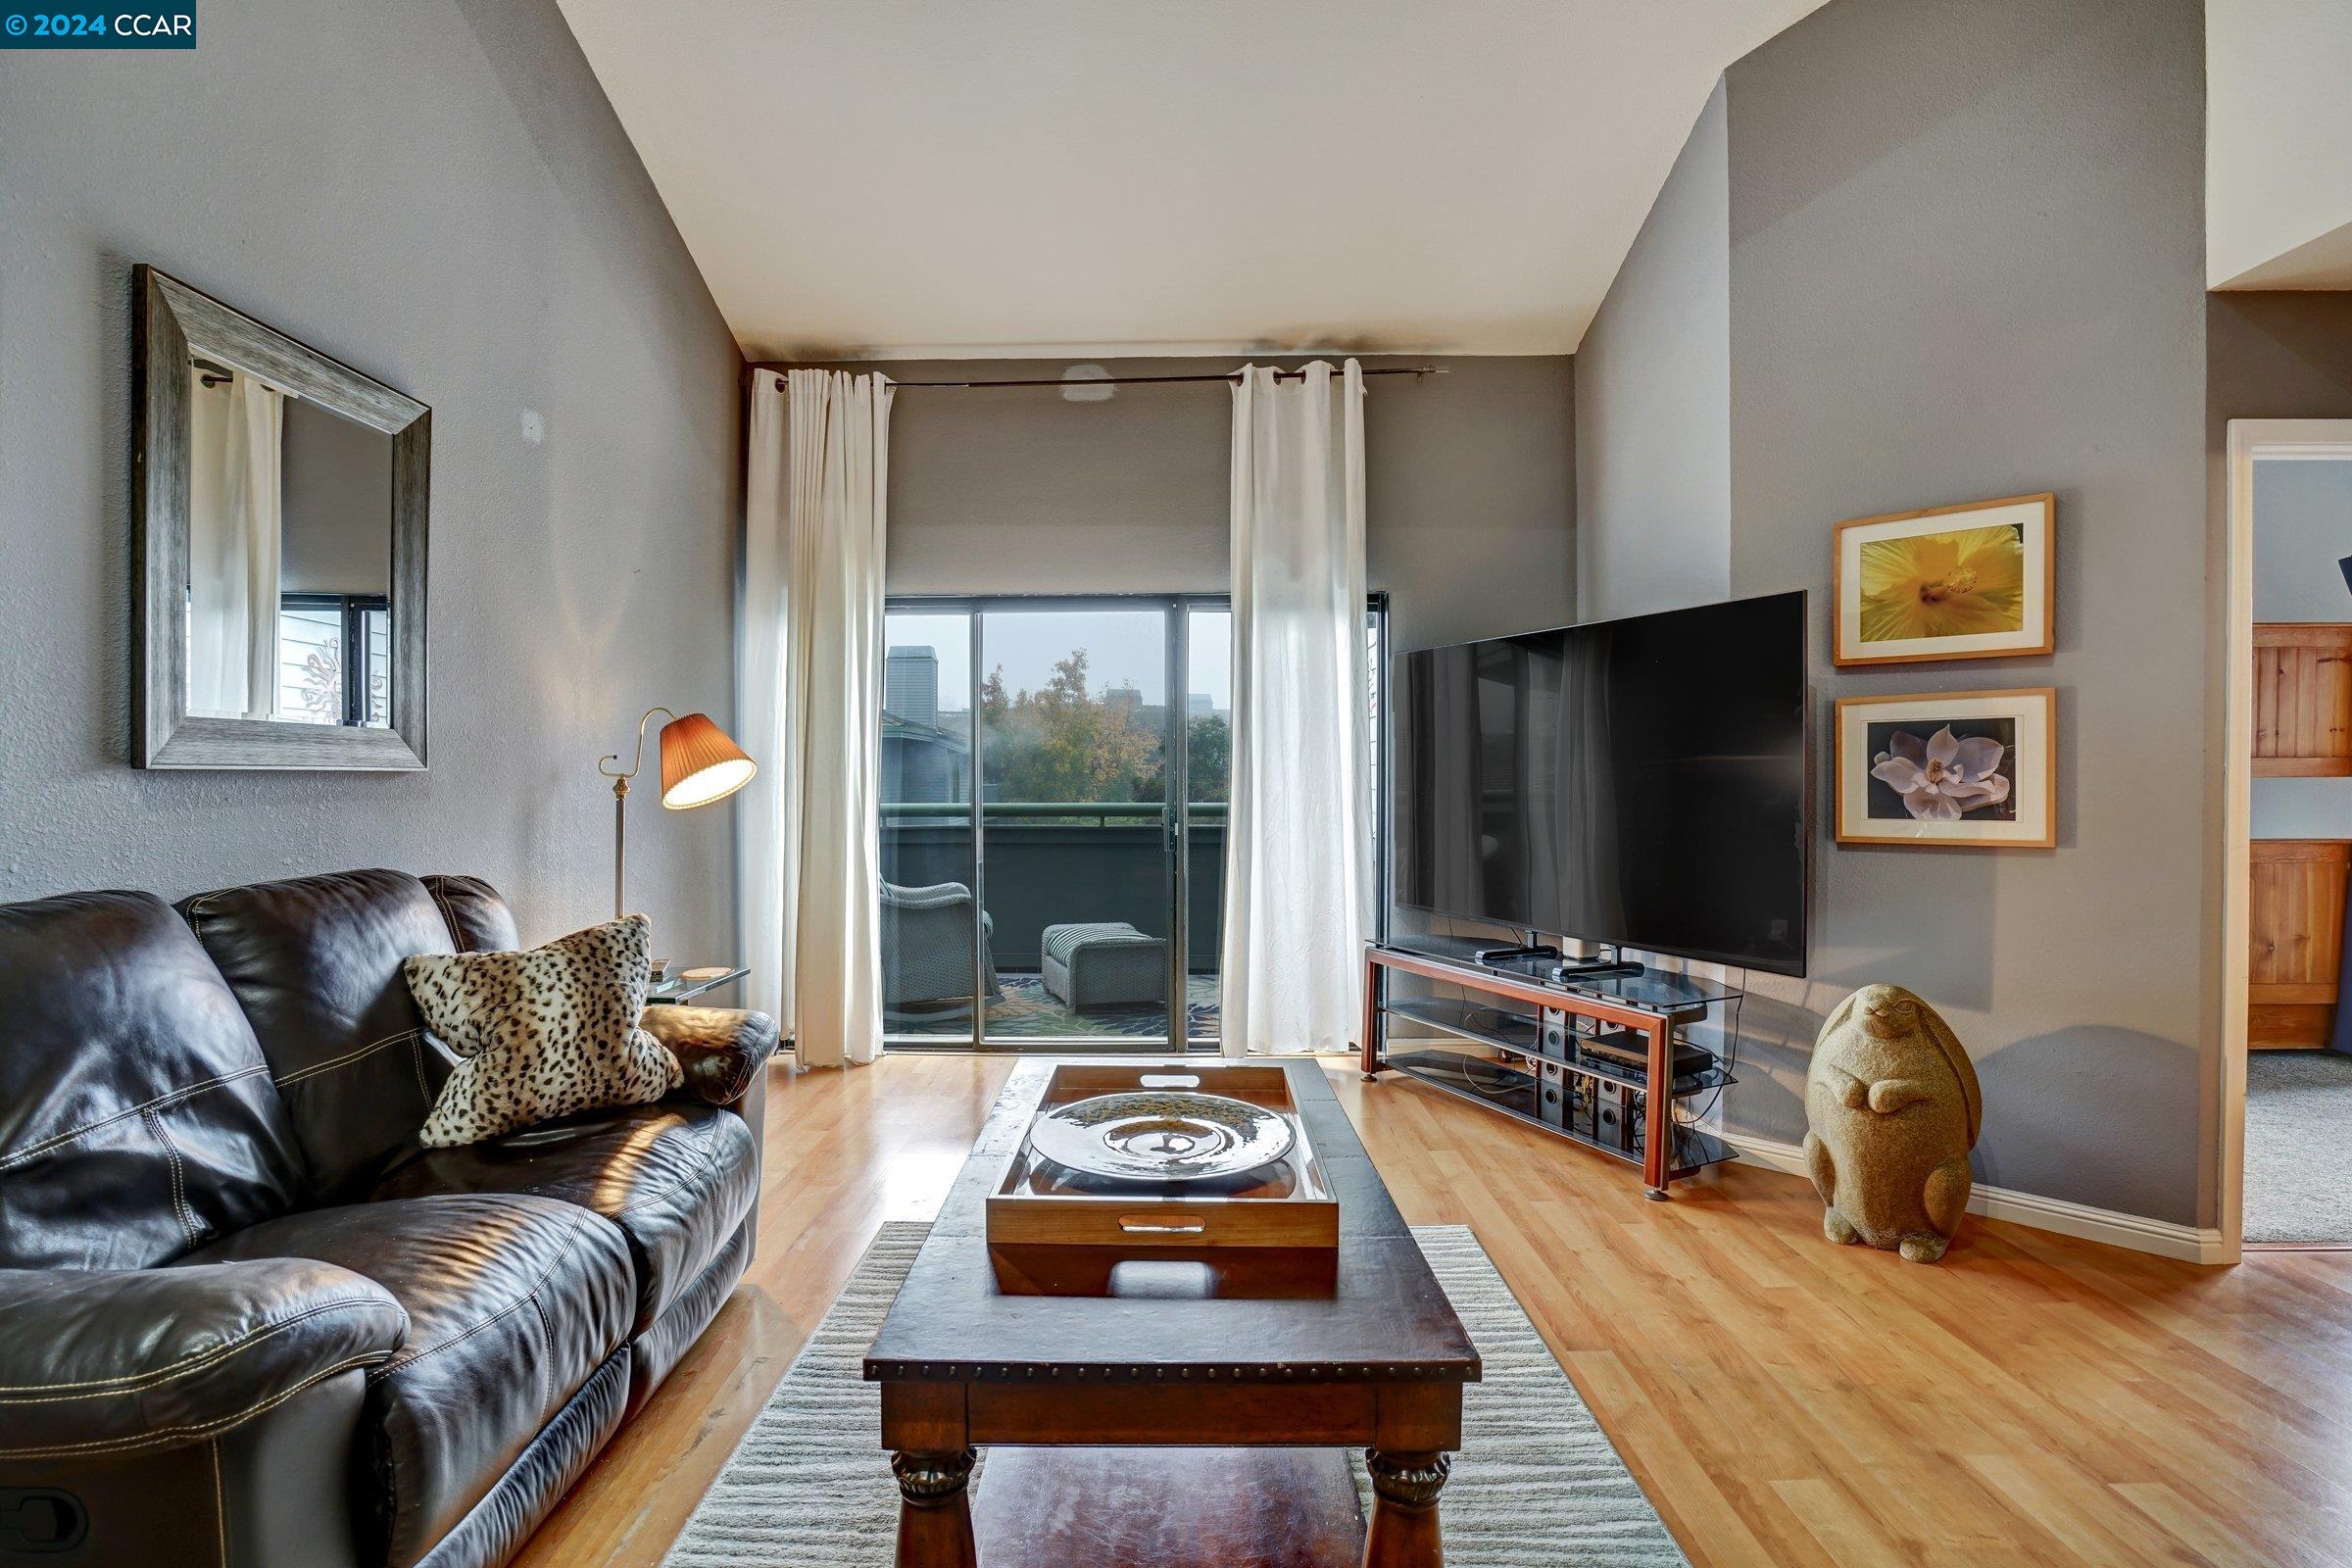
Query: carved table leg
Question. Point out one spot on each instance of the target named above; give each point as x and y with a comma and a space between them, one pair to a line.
1404, 1509
935, 1511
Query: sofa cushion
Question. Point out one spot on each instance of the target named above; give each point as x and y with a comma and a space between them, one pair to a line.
513, 1302
542, 1033
136, 1113
316, 963
476, 913
677, 1178
105, 1362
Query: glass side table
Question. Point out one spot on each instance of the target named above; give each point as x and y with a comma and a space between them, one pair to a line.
686, 987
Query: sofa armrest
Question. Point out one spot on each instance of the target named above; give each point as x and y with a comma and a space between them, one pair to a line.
722, 1049
98, 1361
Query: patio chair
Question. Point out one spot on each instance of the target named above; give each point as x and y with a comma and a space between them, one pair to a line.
927, 945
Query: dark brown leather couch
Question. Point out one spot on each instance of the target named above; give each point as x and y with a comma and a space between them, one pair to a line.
244, 1318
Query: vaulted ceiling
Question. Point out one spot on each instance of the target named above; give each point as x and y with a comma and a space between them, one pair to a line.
1067, 177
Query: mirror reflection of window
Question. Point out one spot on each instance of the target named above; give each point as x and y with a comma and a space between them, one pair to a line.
334, 659
289, 569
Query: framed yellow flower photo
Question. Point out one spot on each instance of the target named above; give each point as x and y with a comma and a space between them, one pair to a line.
1949, 767
1971, 581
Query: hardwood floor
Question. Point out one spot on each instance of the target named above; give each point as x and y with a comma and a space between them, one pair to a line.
2030, 1400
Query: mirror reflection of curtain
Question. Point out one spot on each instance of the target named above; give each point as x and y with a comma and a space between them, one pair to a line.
235, 482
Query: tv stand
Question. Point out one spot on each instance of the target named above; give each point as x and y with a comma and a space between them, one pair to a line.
1592, 1052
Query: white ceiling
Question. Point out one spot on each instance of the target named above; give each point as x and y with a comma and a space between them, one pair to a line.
927, 179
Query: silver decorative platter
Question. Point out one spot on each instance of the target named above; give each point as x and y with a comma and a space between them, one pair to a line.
1160, 1136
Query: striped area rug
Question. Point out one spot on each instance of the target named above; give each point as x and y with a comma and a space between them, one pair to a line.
1536, 1484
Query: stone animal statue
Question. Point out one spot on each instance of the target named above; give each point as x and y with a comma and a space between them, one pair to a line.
1894, 1109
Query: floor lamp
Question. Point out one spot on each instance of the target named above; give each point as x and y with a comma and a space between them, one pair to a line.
699, 765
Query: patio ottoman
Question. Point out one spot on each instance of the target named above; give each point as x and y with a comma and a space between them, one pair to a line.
1106, 963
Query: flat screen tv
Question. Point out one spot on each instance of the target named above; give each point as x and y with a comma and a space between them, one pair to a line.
1639, 782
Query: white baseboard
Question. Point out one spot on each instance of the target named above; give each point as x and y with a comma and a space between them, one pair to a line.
2188, 1242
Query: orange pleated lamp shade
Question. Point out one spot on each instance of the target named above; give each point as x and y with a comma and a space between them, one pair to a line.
699, 763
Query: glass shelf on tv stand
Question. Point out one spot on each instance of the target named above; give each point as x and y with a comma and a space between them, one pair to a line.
1520, 1036
1659, 991
1512, 1093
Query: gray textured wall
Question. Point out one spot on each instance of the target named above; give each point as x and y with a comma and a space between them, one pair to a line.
436, 192
1470, 488
1967, 261
1653, 384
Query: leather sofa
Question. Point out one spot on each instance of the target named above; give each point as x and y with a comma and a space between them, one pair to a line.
244, 1318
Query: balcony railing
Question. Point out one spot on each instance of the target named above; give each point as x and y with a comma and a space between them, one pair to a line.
1052, 862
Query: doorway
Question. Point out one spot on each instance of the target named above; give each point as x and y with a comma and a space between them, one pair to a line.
2287, 1068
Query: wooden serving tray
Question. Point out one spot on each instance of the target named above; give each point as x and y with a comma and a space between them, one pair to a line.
1287, 1204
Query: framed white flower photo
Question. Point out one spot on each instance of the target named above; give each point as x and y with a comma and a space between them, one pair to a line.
1949, 768
1971, 582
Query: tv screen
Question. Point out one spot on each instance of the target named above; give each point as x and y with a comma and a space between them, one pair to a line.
1639, 782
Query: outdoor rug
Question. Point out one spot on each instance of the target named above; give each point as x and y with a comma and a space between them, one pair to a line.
1537, 1483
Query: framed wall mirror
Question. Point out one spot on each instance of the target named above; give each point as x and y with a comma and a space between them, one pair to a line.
281, 551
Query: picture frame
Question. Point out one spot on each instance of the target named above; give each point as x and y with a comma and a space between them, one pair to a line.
1975, 580
1955, 770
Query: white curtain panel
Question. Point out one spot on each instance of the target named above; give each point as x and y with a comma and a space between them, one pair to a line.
815, 496
1298, 851
236, 443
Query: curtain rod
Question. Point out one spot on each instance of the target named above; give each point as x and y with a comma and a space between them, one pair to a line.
1416, 371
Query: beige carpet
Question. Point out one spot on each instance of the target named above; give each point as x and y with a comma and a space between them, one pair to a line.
2298, 1146
1537, 1483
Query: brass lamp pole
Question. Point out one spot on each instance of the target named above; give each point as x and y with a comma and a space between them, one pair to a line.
699, 765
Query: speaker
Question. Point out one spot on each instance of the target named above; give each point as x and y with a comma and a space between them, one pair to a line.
1552, 1094
1608, 1110
1556, 1040
1617, 1113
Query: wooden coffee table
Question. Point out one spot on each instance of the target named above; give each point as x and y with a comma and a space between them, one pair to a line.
1195, 1409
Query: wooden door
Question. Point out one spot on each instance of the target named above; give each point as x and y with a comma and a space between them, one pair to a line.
2298, 940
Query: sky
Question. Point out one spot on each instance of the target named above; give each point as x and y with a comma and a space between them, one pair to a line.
1124, 647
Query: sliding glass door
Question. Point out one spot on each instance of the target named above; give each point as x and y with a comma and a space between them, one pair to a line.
1074, 742
1055, 774
1035, 862
932, 953
1207, 631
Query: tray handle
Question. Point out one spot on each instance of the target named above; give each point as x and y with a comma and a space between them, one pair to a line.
1163, 1224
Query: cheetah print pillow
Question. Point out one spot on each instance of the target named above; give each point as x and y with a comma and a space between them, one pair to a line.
541, 1034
